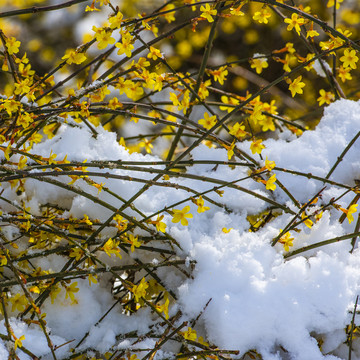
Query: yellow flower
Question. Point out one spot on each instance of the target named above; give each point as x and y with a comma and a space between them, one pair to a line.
230, 150
10, 105
325, 97
147, 145
259, 64
49, 130
70, 290
18, 341
19, 302
103, 37
133, 240
294, 22
344, 73
225, 230
164, 308
332, 2
256, 146
307, 222
92, 279
74, 57
181, 215
139, 291
200, 204
189, 334
51, 158
170, 15
207, 12
349, 59
160, 226
269, 165
115, 21
24, 120
267, 123
23, 86
22, 162
111, 247
230, 101
12, 45
296, 86
76, 253
126, 45
174, 99
238, 130
133, 90
270, 183
236, 11
154, 53
351, 210
262, 16
208, 122
219, 74
312, 33
114, 103
286, 240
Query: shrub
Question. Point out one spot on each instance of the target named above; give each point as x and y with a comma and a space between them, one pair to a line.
167, 189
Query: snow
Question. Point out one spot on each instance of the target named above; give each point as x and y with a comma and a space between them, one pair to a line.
258, 299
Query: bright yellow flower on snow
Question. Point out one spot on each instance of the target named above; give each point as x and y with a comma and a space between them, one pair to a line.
133, 240
160, 226
164, 308
269, 165
256, 146
308, 222
230, 149
18, 341
189, 334
349, 59
139, 291
208, 12
286, 240
270, 183
349, 212
200, 204
294, 22
70, 290
296, 86
181, 215
111, 247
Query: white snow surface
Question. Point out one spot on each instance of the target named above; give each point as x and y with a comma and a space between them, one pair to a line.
259, 300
